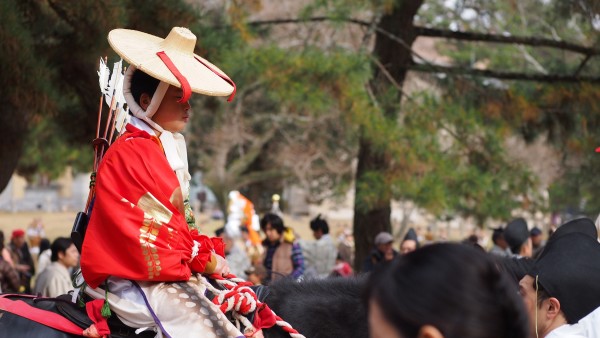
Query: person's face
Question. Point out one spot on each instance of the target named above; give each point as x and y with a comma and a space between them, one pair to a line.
272, 234
379, 327
70, 258
385, 248
501, 242
536, 240
19, 241
527, 249
407, 246
528, 294
172, 115
317, 234
254, 279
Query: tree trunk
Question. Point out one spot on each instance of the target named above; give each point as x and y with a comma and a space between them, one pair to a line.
12, 134
372, 217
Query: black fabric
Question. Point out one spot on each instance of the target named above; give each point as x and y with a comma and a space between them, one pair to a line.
569, 270
411, 234
15, 326
582, 225
516, 233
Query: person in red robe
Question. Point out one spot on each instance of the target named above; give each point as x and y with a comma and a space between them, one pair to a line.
140, 253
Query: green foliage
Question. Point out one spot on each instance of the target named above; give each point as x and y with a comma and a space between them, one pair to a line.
48, 152
566, 115
49, 76
291, 119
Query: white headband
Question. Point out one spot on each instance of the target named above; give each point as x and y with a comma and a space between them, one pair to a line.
135, 108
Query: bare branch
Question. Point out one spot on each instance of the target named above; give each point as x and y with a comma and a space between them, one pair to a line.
430, 68
582, 64
510, 39
447, 34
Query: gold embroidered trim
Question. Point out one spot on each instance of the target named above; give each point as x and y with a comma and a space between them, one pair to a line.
155, 215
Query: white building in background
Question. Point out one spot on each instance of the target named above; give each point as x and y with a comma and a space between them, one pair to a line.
67, 193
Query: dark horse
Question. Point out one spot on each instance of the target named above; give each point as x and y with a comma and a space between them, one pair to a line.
316, 308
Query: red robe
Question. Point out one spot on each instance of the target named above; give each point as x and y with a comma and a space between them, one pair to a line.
137, 229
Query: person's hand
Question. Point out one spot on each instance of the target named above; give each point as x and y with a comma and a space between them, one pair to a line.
222, 267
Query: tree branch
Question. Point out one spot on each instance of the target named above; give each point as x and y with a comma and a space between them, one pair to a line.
510, 39
454, 35
429, 68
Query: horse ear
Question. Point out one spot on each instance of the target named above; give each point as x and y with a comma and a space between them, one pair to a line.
429, 331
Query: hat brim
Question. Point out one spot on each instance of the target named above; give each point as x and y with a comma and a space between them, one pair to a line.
140, 50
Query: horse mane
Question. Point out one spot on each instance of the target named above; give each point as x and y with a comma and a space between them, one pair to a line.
331, 307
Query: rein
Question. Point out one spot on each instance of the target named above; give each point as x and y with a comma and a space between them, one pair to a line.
238, 298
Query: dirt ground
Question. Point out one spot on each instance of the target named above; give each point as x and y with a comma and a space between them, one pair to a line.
60, 224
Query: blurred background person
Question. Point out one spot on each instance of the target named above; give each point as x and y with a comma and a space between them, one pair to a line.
320, 253
35, 233
21, 257
9, 277
410, 242
283, 255
500, 247
44, 257
236, 258
537, 241
55, 280
516, 234
341, 268
382, 253
256, 274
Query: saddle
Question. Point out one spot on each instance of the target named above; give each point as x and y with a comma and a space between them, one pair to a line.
78, 316
63, 306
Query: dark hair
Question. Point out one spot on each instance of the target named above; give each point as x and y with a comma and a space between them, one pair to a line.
1, 240
142, 83
275, 221
44, 245
497, 234
319, 224
61, 244
541, 294
453, 287
219, 231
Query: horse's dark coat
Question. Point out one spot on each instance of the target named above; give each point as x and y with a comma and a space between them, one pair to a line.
320, 308
316, 308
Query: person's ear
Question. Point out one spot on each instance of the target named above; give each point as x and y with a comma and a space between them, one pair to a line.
145, 100
61, 255
429, 331
553, 307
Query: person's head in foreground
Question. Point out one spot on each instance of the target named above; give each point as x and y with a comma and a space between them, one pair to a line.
562, 287
444, 290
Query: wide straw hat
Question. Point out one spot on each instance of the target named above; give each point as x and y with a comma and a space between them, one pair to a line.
171, 60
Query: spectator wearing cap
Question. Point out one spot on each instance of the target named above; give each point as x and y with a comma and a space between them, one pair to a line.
21, 257
561, 293
319, 254
516, 234
537, 241
410, 242
382, 253
500, 247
